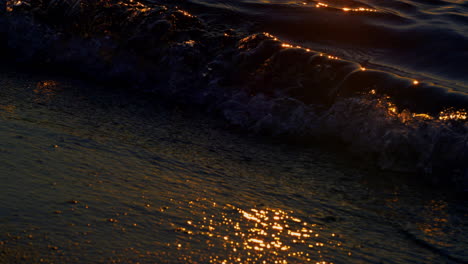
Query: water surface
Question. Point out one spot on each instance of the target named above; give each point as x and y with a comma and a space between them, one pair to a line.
93, 176
427, 40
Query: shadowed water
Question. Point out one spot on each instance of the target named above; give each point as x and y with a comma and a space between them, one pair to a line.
95, 176
426, 40
261, 83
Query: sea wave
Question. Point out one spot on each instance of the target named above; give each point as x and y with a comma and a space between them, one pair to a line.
423, 39
257, 82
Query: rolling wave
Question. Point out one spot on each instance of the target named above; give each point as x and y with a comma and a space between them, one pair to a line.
424, 39
256, 81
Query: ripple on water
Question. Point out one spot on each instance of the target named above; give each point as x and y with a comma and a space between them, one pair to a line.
258, 235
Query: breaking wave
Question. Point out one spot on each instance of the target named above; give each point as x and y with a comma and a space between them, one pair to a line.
254, 81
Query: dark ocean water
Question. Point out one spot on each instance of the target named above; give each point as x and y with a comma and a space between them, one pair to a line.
412, 53
372, 95
384, 80
95, 176
427, 40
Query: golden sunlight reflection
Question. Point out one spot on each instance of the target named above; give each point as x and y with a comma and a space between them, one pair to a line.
270, 35
340, 8
46, 90
385, 102
286, 45
433, 224
185, 13
445, 115
453, 114
10, 4
321, 5
189, 43
261, 235
360, 9
393, 111
422, 116
405, 115
136, 6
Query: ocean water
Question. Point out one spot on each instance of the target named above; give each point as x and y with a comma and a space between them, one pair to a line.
411, 54
92, 175
233, 132
426, 40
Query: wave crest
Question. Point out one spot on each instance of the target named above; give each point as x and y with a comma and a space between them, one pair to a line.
256, 82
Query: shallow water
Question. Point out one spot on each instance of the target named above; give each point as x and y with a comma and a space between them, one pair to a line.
90, 176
